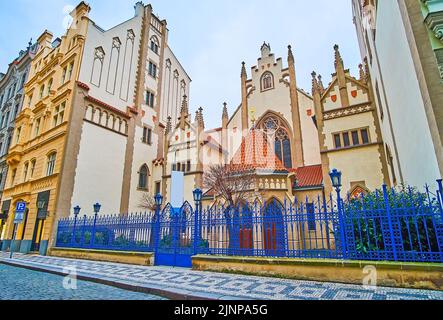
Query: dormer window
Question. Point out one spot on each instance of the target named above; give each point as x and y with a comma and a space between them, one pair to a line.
267, 81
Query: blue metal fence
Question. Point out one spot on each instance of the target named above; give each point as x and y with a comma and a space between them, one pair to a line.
386, 225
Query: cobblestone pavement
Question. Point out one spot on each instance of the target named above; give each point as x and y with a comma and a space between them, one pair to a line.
22, 284
210, 285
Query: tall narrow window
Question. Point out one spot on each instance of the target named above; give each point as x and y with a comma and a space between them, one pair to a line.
37, 127
150, 99
17, 137
277, 131
267, 81
59, 113
48, 92
65, 71
337, 141
152, 70
346, 140
143, 178
364, 136
25, 171
355, 138
32, 168
51, 164
69, 73
42, 91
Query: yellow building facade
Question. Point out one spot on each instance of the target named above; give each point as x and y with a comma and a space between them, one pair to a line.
37, 150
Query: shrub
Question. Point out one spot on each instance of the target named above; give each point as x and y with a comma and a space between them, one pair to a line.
416, 214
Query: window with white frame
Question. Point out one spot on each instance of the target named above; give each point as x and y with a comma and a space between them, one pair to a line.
59, 113
51, 164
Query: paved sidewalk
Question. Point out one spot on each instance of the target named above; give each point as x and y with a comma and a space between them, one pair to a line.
189, 284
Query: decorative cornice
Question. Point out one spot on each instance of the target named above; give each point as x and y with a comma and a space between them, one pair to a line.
343, 112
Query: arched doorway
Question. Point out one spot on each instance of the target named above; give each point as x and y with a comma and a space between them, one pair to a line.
273, 229
240, 227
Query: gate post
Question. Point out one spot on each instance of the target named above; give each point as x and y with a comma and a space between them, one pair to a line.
197, 198
156, 225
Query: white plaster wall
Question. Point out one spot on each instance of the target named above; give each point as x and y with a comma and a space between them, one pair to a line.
99, 172
172, 93
121, 95
143, 154
416, 152
357, 170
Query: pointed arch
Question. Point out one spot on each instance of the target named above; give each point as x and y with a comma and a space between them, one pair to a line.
279, 132
143, 176
267, 81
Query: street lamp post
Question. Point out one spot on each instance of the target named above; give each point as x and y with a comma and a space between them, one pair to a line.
336, 176
97, 208
76, 213
197, 231
158, 198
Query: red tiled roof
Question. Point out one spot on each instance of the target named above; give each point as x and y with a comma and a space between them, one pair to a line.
256, 153
311, 176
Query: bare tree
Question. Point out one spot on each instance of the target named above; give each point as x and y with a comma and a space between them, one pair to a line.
147, 202
233, 187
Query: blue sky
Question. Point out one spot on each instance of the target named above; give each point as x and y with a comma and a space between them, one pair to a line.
211, 38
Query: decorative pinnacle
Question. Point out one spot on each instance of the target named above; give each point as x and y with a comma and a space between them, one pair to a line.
199, 118
184, 110
361, 72
290, 54
338, 59
225, 111
314, 82
243, 69
169, 125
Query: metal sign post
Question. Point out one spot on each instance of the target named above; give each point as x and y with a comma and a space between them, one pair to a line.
19, 216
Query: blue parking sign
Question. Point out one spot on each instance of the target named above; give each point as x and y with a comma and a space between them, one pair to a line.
20, 210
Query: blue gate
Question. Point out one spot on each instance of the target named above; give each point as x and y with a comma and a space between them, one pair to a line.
175, 230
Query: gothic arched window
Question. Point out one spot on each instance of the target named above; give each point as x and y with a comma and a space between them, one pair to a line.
143, 177
277, 131
267, 81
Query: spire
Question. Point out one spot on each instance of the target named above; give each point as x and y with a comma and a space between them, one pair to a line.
338, 59
320, 84
290, 55
225, 111
184, 110
315, 87
361, 72
366, 67
168, 129
199, 118
243, 70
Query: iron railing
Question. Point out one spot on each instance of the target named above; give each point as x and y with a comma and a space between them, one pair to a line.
386, 225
